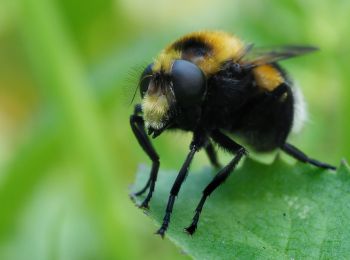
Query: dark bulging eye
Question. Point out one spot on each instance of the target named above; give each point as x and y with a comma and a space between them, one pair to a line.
189, 82
145, 79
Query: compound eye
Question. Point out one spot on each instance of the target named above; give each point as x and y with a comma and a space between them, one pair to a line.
145, 79
188, 82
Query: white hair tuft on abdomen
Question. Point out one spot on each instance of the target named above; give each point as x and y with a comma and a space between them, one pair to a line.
300, 110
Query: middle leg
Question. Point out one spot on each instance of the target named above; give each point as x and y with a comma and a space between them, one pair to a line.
197, 143
211, 153
174, 191
221, 176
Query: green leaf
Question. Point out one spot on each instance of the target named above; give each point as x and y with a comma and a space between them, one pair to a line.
277, 211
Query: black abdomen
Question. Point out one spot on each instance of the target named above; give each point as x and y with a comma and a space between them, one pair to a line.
237, 104
266, 119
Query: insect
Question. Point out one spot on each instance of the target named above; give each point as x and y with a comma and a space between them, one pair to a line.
212, 84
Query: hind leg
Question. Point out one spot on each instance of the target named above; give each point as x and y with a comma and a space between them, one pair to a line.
300, 156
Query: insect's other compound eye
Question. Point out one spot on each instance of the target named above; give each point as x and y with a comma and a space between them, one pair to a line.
145, 79
189, 83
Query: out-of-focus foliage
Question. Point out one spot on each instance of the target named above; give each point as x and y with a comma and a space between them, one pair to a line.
67, 155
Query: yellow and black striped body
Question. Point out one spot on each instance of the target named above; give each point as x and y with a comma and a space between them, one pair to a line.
215, 86
209, 51
256, 103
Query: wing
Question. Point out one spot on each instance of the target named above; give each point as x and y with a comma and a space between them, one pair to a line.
260, 56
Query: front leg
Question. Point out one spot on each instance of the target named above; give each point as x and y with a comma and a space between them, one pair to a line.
196, 144
138, 128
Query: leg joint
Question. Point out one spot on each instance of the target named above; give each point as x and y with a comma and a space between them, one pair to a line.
226, 142
135, 118
242, 151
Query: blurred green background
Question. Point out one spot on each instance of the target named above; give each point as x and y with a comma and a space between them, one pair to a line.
67, 155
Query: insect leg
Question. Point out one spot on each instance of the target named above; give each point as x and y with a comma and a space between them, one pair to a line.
300, 156
138, 128
211, 153
195, 146
221, 176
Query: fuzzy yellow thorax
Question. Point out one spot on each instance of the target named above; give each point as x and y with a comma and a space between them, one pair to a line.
223, 47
